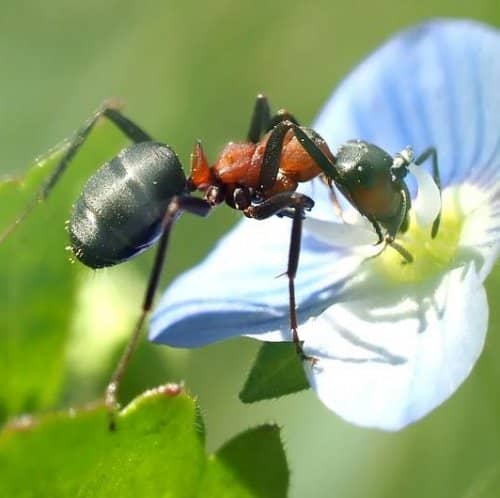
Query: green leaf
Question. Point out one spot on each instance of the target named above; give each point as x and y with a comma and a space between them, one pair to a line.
253, 464
39, 284
25, 344
157, 450
277, 371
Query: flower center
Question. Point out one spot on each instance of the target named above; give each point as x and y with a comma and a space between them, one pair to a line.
430, 255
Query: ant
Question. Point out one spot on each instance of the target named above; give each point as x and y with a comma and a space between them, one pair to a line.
133, 200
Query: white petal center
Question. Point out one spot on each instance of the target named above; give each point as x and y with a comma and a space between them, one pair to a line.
427, 204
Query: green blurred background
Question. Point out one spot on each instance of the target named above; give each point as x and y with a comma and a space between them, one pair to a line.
188, 70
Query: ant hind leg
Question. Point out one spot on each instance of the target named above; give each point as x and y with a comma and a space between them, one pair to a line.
108, 110
177, 205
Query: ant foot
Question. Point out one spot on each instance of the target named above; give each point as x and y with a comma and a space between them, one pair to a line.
303, 356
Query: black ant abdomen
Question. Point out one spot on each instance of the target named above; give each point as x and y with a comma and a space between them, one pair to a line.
120, 209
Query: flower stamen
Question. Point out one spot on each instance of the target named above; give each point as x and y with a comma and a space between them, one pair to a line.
430, 254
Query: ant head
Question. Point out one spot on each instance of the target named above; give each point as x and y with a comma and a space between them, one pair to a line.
363, 164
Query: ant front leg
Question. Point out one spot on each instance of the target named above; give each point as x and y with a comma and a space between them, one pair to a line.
291, 272
299, 203
130, 129
432, 152
177, 205
272, 154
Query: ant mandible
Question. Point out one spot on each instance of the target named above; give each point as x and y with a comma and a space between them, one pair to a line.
133, 200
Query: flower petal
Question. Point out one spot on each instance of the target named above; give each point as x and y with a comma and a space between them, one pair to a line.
388, 358
341, 234
434, 85
427, 203
480, 237
235, 290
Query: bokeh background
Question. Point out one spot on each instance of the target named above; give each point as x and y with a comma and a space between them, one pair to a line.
188, 70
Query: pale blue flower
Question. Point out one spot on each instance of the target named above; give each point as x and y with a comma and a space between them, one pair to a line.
392, 341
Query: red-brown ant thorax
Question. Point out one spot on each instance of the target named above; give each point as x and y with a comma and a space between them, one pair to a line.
240, 163
296, 163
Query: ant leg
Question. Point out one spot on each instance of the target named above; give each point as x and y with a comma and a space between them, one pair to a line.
333, 196
376, 227
298, 203
272, 153
262, 121
432, 152
279, 204
393, 229
174, 209
281, 115
291, 272
311, 144
408, 258
398, 222
130, 129
260, 118
311, 141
